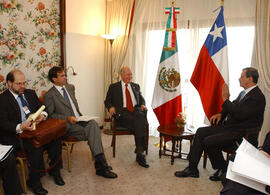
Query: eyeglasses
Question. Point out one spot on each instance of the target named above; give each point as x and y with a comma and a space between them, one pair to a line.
20, 83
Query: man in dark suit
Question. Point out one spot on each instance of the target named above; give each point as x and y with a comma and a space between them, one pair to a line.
16, 103
9, 175
125, 102
234, 188
61, 103
244, 113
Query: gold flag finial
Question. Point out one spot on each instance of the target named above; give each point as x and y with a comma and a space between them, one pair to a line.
222, 3
173, 3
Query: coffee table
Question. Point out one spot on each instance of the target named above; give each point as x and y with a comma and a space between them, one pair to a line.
176, 134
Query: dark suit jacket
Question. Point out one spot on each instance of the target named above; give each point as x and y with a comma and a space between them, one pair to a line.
115, 96
247, 113
10, 114
56, 105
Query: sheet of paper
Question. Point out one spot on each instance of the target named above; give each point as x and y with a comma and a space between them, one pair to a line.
243, 180
251, 163
86, 118
4, 151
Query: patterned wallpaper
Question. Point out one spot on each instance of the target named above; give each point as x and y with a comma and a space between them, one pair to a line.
29, 40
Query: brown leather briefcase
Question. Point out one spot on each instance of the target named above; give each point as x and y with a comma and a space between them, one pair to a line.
45, 132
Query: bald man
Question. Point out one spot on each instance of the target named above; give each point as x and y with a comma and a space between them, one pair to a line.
125, 102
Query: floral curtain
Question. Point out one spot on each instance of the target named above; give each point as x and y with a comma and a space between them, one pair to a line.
29, 40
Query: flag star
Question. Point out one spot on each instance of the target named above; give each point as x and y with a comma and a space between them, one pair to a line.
217, 32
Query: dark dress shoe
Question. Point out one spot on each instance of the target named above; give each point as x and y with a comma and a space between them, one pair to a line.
219, 175
36, 188
106, 173
140, 158
187, 172
58, 180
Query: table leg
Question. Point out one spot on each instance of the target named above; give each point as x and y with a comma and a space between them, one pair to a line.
160, 144
173, 149
180, 147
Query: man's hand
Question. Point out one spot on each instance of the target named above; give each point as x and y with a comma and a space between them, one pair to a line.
225, 92
112, 111
72, 119
27, 126
40, 118
143, 107
214, 120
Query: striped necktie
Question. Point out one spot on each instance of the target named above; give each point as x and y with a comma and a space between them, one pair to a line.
67, 99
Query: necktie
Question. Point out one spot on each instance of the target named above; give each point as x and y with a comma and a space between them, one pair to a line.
67, 99
128, 100
242, 94
25, 105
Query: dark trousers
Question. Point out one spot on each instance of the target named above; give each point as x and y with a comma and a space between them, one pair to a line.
136, 122
212, 139
8, 172
35, 158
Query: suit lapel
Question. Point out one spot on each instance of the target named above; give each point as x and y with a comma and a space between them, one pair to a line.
59, 96
120, 91
248, 94
14, 104
133, 87
73, 98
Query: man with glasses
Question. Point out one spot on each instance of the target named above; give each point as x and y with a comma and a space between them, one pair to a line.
16, 103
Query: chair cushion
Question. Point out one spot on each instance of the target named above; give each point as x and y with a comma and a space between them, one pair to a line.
69, 139
119, 128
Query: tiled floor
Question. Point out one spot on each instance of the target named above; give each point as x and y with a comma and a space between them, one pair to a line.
132, 179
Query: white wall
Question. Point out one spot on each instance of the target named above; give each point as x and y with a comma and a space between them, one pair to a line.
85, 22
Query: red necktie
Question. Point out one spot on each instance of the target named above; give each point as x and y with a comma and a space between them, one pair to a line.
128, 100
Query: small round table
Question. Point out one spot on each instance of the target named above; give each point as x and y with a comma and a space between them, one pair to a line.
177, 134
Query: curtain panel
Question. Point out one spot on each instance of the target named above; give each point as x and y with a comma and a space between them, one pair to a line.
118, 17
261, 56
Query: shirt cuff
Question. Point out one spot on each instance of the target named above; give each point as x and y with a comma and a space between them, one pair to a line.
18, 129
45, 114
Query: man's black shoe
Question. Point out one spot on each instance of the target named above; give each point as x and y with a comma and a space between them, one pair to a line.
219, 175
140, 158
37, 188
106, 173
58, 180
187, 172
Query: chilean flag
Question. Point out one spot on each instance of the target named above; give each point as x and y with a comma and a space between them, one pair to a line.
167, 99
211, 70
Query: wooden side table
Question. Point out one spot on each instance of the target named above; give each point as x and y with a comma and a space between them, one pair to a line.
177, 135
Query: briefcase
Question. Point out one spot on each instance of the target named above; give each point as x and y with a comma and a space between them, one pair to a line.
45, 132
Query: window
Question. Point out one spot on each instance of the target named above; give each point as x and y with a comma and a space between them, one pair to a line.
240, 45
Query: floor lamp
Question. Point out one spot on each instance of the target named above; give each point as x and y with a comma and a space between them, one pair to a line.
110, 38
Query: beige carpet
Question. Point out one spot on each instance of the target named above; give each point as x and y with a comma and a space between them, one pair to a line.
132, 179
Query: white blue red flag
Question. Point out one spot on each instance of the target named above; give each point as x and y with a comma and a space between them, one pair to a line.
211, 70
167, 99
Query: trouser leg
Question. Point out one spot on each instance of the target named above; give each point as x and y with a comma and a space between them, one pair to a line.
214, 145
90, 132
11, 182
136, 122
93, 136
35, 159
54, 149
197, 146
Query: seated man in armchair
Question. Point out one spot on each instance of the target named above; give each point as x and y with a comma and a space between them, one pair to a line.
125, 102
16, 103
61, 103
245, 112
